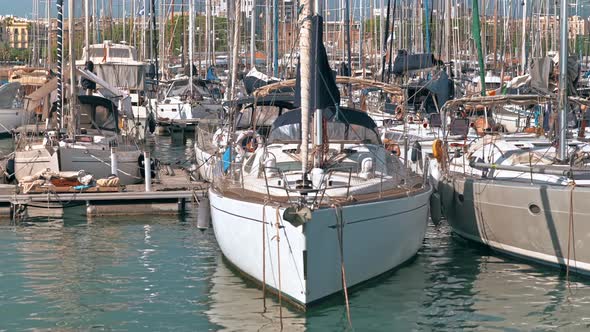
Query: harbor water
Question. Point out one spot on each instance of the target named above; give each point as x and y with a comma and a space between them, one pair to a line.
161, 274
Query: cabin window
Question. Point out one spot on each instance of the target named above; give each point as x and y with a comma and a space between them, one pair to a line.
97, 53
119, 53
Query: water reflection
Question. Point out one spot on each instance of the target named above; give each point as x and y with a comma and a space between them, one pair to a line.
115, 275
237, 306
162, 273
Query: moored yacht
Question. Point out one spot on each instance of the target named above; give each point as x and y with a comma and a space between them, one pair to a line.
517, 194
308, 229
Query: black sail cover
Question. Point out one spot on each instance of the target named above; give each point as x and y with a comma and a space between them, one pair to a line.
325, 92
443, 88
405, 62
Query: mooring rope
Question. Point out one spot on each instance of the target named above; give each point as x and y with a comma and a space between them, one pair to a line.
278, 226
340, 233
264, 256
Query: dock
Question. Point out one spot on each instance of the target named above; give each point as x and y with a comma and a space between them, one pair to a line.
172, 192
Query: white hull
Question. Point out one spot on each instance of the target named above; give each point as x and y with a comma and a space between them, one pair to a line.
378, 237
10, 119
36, 160
97, 163
65, 159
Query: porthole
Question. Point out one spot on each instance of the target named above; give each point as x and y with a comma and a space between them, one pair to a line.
534, 209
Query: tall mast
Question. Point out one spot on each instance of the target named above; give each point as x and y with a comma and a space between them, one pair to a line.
49, 50
448, 33
523, 41
563, 57
361, 33
143, 31
213, 35
154, 42
124, 24
275, 45
95, 21
183, 36
236, 43
495, 35
191, 27
305, 71
347, 35
267, 27
477, 38
60, 73
72, 101
87, 29
208, 33
427, 25
132, 20
35, 17
383, 40
253, 34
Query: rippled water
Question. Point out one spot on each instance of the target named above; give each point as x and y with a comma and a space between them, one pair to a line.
161, 273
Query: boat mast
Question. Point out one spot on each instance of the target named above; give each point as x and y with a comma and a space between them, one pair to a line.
124, 28
87, 29
477, 38
427, 25
183, 37
236, 43
267, 35
448, 33
253, 34
155, 42
60, 72
213, 35
305, 72
361, 35
523, 41
495, 39
208, 33
191, 27
275, 45
382, 28
95, 21
384, 39
49, 51
72, 101
563, 57
133, 22
347, 37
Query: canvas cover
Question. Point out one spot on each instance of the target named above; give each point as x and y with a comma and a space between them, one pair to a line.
129, 76
255, 79
443, 88
540, 70
405, 62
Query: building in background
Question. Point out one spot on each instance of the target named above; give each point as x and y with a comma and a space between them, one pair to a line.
14, 32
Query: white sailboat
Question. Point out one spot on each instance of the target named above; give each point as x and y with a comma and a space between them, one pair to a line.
308, 234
